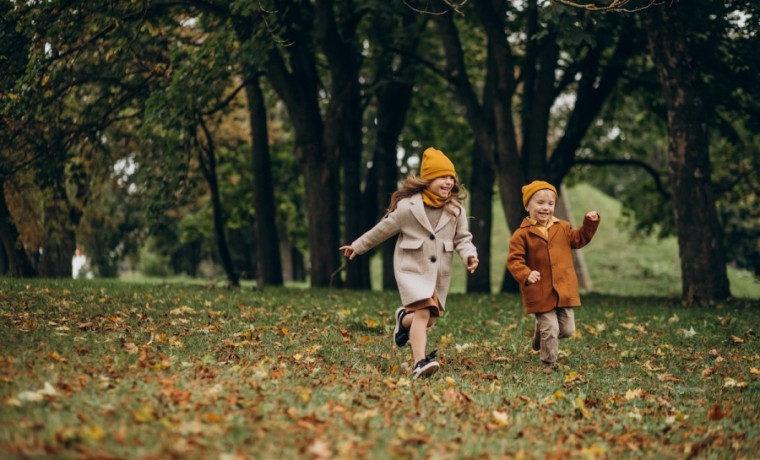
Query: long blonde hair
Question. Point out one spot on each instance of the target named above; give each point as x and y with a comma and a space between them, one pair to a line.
415, 184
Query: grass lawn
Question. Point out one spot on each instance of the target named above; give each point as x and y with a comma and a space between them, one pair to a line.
99, 369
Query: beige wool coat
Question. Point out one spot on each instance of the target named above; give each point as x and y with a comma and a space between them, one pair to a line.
423, 256
551, 256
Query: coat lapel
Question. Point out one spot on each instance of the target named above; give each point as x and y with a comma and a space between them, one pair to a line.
418, 211
445, 218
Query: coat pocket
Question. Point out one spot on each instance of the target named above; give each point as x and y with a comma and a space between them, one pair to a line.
409, 257
447, 257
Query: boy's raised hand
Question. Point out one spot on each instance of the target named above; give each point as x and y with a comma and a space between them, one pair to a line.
592, 215
348, 251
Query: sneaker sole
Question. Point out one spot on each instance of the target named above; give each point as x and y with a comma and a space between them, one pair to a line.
427, 370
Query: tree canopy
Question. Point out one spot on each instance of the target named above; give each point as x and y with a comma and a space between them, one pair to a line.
261, 136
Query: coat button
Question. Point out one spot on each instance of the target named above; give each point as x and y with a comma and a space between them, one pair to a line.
433, 259
432, 237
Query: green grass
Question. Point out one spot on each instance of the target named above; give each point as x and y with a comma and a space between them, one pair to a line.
99, 369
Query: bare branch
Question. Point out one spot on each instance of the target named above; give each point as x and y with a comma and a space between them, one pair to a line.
629, 162
617, 6
455, 6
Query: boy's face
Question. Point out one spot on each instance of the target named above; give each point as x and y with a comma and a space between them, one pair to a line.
541, 206
442, 186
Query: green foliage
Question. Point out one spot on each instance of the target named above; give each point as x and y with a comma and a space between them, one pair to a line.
105, 369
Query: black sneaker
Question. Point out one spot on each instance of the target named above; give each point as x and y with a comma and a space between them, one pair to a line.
536, 344
400, 334
426, 367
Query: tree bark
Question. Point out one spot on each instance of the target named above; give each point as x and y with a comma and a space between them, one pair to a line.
703, 265
343, 122
269, 263
297, 84
208, 167
481, 191
19, 265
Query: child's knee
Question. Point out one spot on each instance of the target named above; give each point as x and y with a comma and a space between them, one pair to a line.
550, 330
566, 332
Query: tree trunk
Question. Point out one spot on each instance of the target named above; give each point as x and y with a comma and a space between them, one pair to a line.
343, 122
481, 214
397, 74
208, 167
703, 265
60, 241
297, 83
269, 263
19, 265
393, 101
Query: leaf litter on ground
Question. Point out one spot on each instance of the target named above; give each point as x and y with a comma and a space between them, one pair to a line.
102, 369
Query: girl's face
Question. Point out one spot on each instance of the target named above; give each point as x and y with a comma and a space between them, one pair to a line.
541, 206
442, 186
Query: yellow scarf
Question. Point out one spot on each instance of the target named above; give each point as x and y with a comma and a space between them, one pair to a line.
433, 200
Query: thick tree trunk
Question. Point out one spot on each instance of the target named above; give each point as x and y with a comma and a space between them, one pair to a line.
703, 264
297, 82
19, 265
343, 130
60, 241
393, 102
322, 211
269, 263
481, 218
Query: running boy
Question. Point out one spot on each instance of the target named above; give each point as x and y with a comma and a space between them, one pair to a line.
541, 261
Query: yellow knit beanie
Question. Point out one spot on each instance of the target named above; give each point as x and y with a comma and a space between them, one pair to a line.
435, 164
530, 189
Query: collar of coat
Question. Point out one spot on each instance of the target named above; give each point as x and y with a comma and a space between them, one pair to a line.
533, 227
529, 221
418, 211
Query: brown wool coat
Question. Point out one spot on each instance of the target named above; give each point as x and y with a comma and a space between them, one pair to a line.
423, 256
552, 258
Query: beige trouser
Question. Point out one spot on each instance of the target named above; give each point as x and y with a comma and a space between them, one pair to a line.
554, 325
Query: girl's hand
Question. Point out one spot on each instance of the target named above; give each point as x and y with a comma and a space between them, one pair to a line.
348, 251
533, 277
592, 216
472, 264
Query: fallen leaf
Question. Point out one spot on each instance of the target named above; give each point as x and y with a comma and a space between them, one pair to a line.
131, 348
690, 333
736, 339
500, 418
715, 412
668, 377
320, 449
634, 394
581, 407
143, 414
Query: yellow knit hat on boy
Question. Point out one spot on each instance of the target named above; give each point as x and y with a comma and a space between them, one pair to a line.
530, 189
435, 164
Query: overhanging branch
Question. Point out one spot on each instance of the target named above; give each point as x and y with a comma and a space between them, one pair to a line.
617, 6
629, 163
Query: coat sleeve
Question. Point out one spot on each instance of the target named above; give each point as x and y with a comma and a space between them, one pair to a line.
582, 236
386, 228
516, 258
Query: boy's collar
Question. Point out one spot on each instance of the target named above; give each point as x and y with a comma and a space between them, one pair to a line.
533, 221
